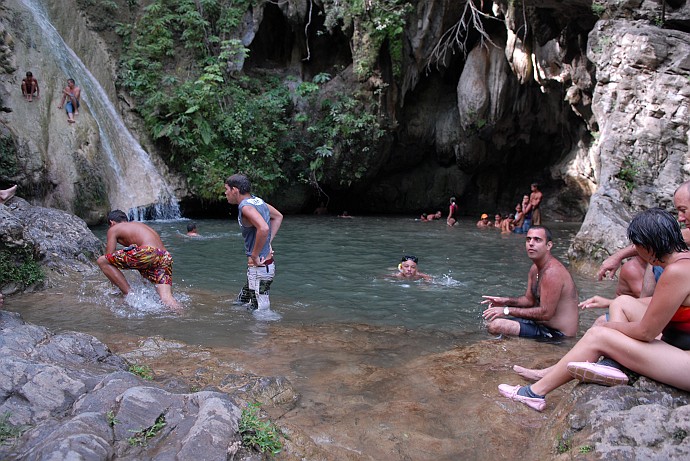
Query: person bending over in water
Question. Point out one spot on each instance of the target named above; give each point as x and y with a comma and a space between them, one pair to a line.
632, 342
407, 269
7, 194
144, 252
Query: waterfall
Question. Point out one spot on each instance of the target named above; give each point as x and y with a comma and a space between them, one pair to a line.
134, 184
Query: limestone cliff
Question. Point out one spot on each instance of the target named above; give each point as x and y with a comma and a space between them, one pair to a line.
641, 105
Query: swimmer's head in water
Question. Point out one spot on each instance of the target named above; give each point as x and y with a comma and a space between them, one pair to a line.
408, 266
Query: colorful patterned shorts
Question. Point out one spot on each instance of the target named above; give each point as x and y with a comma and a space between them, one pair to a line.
152, 263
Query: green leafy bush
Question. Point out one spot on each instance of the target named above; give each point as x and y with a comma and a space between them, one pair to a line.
8, 431
212, 121
259, 434
19, 266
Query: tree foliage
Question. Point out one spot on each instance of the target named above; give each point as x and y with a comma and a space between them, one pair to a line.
181, 65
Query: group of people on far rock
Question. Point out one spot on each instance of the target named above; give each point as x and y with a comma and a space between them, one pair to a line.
527, 213
71, 95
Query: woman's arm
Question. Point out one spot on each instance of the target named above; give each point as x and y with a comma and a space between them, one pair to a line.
672, 291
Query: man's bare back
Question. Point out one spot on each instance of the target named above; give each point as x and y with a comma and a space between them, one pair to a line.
150, 258
132, 233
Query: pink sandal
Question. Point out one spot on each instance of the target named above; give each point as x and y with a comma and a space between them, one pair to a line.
597, 374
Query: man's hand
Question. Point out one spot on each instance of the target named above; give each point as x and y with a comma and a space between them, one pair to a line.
258, 260
492, 312
494, 300
609, 267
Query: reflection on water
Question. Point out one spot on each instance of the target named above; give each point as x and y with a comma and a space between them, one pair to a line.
328, 270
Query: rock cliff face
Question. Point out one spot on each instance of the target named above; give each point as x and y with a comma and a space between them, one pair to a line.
641, 105
589, 99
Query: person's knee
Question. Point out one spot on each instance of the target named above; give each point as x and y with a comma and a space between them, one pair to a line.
622, 300
494, 328
619, 304
602, 319
595, 335
102, 262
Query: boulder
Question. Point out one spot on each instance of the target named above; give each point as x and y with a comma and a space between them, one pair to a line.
74, 399
61, 242
647, 420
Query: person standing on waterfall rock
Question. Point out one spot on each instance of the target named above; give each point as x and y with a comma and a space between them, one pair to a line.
259, 223
72, 95
144, 251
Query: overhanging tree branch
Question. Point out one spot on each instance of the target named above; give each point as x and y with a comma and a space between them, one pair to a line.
458, 35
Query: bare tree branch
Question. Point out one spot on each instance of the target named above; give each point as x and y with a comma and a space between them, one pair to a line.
457, 36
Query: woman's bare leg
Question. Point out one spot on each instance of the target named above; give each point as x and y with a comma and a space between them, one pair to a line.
655, 359
628, 309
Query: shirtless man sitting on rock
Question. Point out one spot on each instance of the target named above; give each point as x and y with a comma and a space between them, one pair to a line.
548, 309
144, 251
